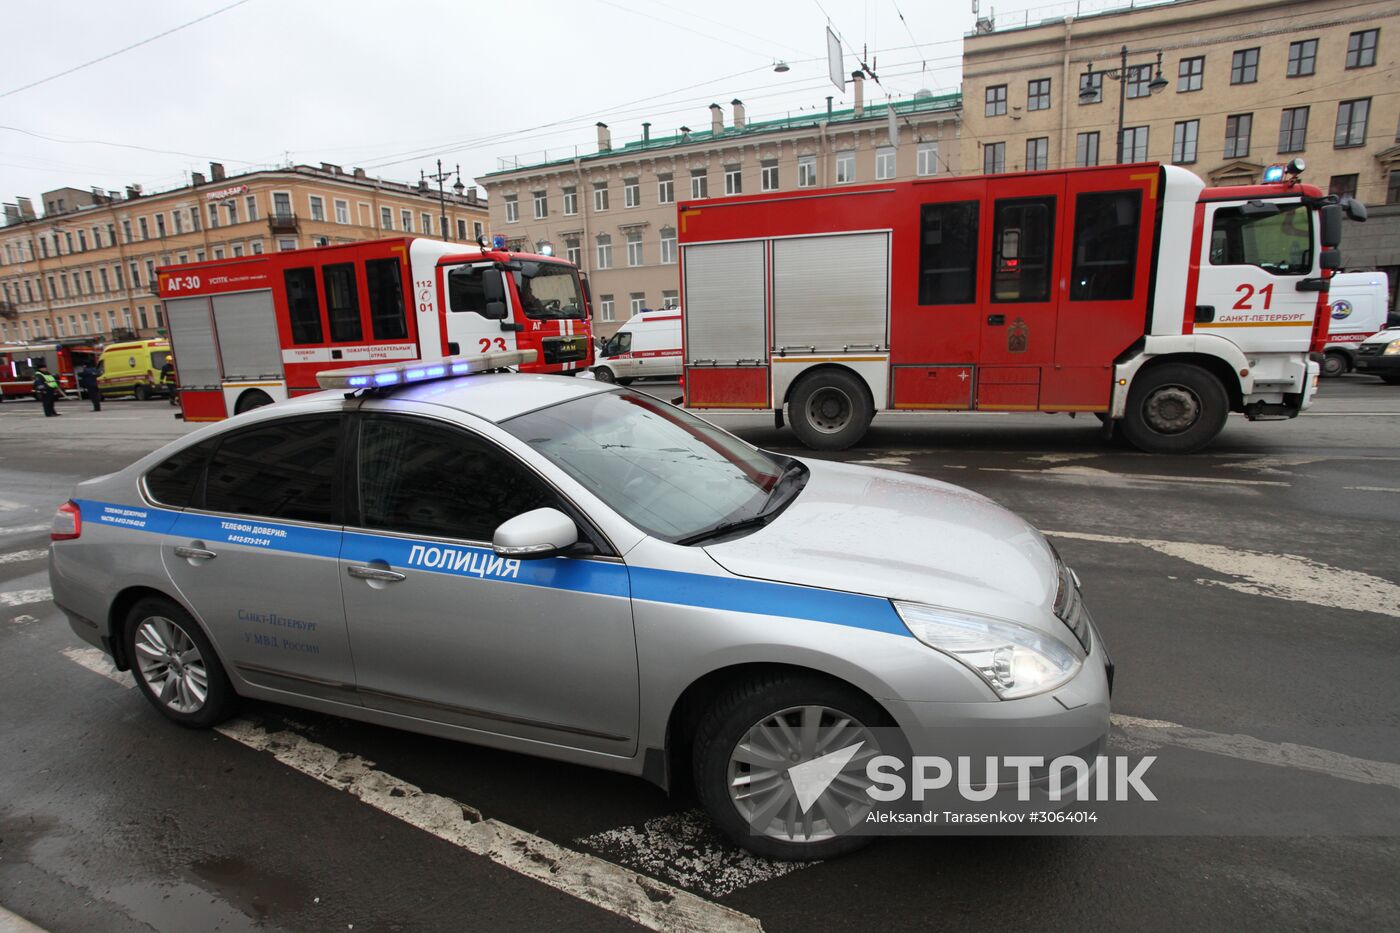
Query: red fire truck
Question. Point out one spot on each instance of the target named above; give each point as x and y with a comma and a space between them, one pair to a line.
19, 361
254, 330
1131, 291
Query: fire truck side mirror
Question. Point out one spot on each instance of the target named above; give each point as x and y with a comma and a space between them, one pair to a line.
1355, 209
1331, 215
494, 290
1331, 259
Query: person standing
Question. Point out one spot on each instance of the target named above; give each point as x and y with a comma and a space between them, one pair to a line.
46, 388
87, 381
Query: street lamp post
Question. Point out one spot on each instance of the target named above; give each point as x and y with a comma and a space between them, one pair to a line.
441, 177
1087, 94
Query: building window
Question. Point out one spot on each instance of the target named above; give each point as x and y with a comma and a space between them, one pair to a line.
406, 221
286, 244
1135, 144
699, 183
1139, 79
634, 248
733, 179
1091, 82
996, 101
232, 208
176, 216
1190, 73
604, 251
1302, 58
342, 212
213, 216
572, 252
1343, 186
1244, 66
670, 299
993, 158
477, 230
218, 252
806, 171
600, 195
1392, 187
768, 178
541, 205
665, 189
668, 245
1361, 48
1293, 129
570, 201
884, 163
87, 277
631, 192
1086, 149
1184, 138
1351, 122
461, 229
425, 223
251, 202
82, 234
637, 302
1038, 154
927, 159
318, 207
1038, 94
512, 209
145, 230
386, 218
237, 250
1237, 129
845, 167
257, 248
605, 308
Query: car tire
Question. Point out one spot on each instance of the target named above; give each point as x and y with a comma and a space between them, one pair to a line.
1175, 408
172, 661
141, 393
253, 398
830, 410
723, 735
625, 380
1391, 379
1335, 364
604, 374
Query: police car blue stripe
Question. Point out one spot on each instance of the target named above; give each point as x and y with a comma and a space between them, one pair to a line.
602, 578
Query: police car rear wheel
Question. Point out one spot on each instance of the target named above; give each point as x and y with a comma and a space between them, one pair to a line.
175, 665
749, 739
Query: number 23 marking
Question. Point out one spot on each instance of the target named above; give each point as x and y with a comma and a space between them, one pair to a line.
1247, 292
486, 343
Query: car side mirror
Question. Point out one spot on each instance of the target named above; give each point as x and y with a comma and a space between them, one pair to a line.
535, 534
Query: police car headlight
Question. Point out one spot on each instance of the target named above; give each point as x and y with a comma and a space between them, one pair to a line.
1392, 349
1014, 660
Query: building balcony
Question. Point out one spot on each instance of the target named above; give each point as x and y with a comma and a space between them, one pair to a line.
9, 310
153, 287
283, 223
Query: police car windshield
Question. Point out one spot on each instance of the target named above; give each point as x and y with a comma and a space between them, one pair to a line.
665, 471
548, 290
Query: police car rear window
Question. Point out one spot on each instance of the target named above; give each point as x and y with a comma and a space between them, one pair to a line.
283, 469
175, 480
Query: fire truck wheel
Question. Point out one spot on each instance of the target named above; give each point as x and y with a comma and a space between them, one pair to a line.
829, 409
142, 393
251, 399
603, 374
1391, 379
1335, 364
1175, 408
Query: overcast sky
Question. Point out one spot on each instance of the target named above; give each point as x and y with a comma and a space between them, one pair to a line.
394, 86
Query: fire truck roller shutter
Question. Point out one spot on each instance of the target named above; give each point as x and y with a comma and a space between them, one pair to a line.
831, 292
248, 340
725, 320
192, 340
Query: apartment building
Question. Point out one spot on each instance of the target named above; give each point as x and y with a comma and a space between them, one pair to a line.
613, 212
1245, 84
85, 267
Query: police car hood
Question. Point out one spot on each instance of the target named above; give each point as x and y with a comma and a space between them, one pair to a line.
903, 537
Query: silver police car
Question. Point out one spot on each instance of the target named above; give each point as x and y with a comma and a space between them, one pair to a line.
575, 570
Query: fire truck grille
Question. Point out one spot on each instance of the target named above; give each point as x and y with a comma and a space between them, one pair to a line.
565, 349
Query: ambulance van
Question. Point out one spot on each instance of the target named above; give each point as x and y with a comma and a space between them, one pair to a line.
647, 346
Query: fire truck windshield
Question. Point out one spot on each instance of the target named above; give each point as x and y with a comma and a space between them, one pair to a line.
548, 290
1281, 243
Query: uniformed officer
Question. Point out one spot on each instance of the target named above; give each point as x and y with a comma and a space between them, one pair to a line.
46, 388
87, 380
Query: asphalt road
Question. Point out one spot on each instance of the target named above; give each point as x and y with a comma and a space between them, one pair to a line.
1250, 595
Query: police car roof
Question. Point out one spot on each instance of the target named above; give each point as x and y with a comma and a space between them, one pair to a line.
491, 396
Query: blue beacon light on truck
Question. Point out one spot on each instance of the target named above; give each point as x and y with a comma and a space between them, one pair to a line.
391, 374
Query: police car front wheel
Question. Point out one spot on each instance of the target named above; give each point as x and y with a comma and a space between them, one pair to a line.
175, 665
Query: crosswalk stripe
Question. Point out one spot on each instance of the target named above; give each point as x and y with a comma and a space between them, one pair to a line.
19, 557
16, 598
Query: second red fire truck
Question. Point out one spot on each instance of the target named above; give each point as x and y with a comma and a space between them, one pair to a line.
1131, 292
255, 330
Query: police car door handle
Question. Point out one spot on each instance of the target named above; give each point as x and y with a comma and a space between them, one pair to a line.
375, 573
194, 553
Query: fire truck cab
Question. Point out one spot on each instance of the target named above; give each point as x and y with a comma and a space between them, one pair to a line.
1130, 291
251, 331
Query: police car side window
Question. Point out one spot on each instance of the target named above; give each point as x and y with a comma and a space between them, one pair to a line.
420, 478
175, 480
282, 469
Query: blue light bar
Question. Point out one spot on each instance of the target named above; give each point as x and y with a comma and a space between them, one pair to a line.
1273, 173
498, 241
391, 374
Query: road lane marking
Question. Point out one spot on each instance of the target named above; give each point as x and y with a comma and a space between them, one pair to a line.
686, 848
1091, 473
1247, 748
1282, 576
1373, 488
653, 904
16, 598
25, 529
19, 557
